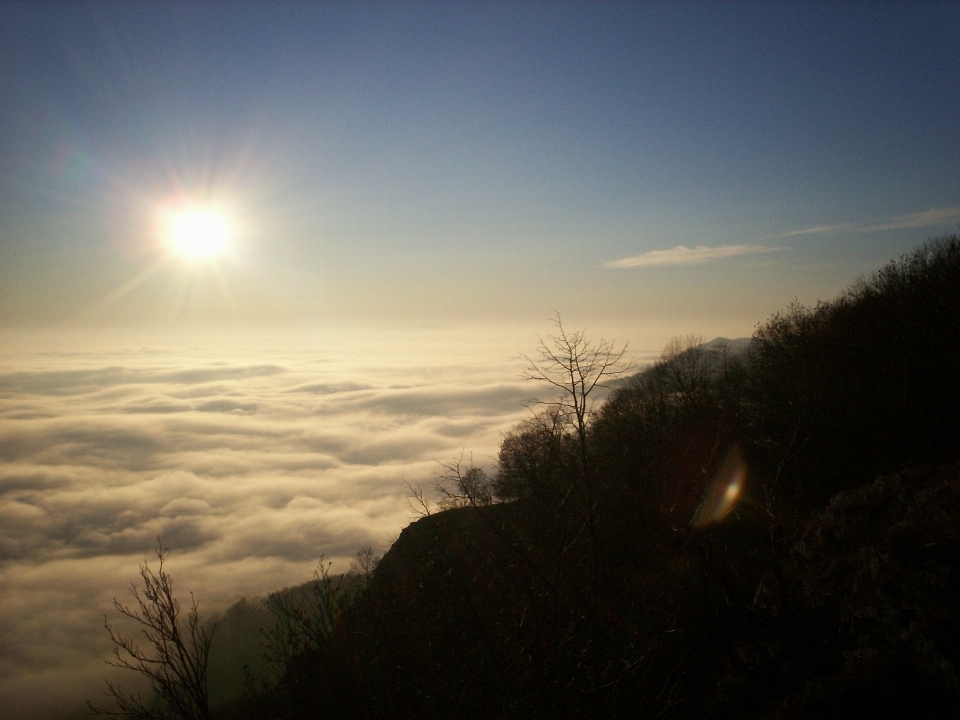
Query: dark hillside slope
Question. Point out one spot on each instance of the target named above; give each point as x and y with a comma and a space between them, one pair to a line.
866, 384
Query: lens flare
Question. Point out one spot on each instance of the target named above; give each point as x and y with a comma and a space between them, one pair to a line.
724, 490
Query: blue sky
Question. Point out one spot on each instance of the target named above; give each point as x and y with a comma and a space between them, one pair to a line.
404, 164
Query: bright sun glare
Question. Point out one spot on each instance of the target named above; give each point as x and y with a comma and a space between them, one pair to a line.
198, 232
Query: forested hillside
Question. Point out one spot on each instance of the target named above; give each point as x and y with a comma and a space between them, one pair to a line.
768, 533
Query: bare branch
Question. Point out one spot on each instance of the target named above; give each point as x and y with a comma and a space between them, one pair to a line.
576, 367
175, 662
417, 503
461, 484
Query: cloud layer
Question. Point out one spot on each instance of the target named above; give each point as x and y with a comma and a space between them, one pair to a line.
248, 470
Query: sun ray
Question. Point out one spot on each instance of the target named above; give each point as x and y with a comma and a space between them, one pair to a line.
125, 289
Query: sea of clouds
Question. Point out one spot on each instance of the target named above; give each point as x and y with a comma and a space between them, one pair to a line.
249, 458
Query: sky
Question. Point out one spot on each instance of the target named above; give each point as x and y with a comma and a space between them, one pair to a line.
470, 164
408, 192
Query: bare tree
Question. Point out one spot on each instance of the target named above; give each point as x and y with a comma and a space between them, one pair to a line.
364, 563
576, 367
685, 368
176, 659
305, 618
460, 483
361, 570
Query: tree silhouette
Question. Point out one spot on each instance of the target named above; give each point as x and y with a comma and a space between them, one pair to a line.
576, 367
175, 661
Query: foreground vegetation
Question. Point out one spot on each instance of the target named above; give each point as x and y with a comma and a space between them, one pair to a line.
767, 534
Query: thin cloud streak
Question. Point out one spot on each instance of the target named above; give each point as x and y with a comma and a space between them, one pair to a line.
821, 230
682, 255
926, 218
933, 216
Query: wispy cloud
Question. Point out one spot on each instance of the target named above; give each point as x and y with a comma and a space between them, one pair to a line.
821, 230
933, 216
682, 255
926, 218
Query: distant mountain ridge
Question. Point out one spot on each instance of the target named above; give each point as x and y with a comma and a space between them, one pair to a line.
734, 348
737, 346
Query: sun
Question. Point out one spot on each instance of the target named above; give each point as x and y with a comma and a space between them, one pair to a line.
197, 232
